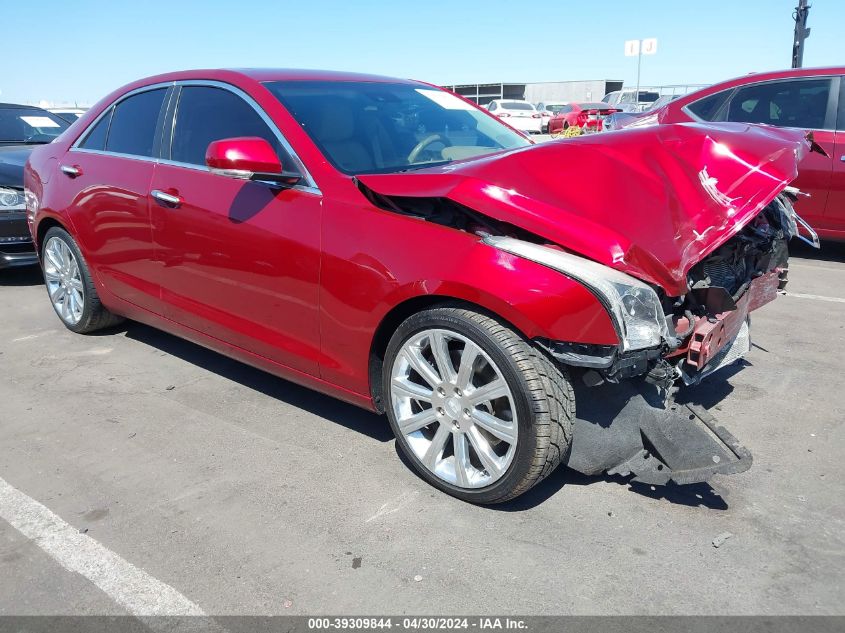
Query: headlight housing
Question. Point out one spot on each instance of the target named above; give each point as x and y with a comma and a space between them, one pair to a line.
11, 200
633, 305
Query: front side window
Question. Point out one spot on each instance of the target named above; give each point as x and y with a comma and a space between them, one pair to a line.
800, 103
206, 114
380, 127
134, 123
29, 126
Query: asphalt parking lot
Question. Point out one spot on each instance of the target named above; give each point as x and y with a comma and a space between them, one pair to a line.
205, 485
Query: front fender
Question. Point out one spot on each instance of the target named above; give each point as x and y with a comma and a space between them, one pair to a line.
375, 262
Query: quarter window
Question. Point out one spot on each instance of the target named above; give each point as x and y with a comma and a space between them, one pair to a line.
800, 104
708, 107
207, 114
134, 123
96, 138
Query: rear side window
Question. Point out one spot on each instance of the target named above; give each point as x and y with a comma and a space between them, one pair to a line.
800, 103
96, 138
207, 114
134, 123
708, 107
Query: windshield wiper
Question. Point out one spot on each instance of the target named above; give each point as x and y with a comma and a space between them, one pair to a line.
17, 141
434, 163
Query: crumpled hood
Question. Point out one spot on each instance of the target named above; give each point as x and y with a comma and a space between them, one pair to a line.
12, 160
651, 202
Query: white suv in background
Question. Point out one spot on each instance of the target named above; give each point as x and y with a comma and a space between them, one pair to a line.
547, 110
627, 101
519, 114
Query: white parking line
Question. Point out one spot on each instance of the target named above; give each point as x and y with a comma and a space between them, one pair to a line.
132, 588
815, 297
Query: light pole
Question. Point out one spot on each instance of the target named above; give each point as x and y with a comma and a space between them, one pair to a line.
801, 32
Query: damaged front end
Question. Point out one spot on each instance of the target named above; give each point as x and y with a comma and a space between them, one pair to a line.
634, 429
687, 238
707, 328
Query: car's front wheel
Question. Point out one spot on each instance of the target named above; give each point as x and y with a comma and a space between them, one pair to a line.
70, 285
478, 410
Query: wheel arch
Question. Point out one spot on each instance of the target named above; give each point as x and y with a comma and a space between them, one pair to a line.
45, 224
401, 311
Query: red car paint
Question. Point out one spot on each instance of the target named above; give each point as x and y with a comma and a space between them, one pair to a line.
822, 177
583, 115
304, 282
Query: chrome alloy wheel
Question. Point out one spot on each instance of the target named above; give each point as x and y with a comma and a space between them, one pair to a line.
64, 281
454, 408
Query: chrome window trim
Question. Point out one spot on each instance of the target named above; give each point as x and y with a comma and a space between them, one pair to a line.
90, 128
735, 89
310, 185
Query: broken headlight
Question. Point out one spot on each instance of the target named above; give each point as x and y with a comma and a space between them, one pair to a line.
633, 305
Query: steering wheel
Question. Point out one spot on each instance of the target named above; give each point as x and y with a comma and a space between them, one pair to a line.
428, 140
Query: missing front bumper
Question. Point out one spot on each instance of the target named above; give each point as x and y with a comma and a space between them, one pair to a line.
621, 430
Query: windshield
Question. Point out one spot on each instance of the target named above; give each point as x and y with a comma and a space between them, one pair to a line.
645, 97
516, 105
29, 125
555, 107
374, 127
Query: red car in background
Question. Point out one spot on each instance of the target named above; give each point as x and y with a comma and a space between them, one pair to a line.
393, 245
811, 99
587, 116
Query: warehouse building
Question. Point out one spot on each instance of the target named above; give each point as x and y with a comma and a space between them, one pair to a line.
544, 91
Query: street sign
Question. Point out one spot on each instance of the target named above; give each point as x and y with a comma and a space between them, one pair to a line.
632, 48
649, 46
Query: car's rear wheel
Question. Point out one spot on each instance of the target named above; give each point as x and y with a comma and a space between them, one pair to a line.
70, 285
478, 410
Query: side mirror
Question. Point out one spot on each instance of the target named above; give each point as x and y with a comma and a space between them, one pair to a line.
248, 158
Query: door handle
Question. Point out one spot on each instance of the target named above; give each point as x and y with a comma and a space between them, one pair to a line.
71, 171
842, 158
167, 198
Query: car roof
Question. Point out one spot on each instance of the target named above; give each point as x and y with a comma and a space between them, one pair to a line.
753, 78
787, 74
19, 106
271, 74
244, 76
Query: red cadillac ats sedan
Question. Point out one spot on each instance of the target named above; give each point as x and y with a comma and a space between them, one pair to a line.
390, 244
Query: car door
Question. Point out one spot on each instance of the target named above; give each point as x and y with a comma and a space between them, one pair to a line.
239, 259
109, 170
804, 103
834, 213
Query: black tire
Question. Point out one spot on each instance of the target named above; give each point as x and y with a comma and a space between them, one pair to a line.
94, 315
543, 395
